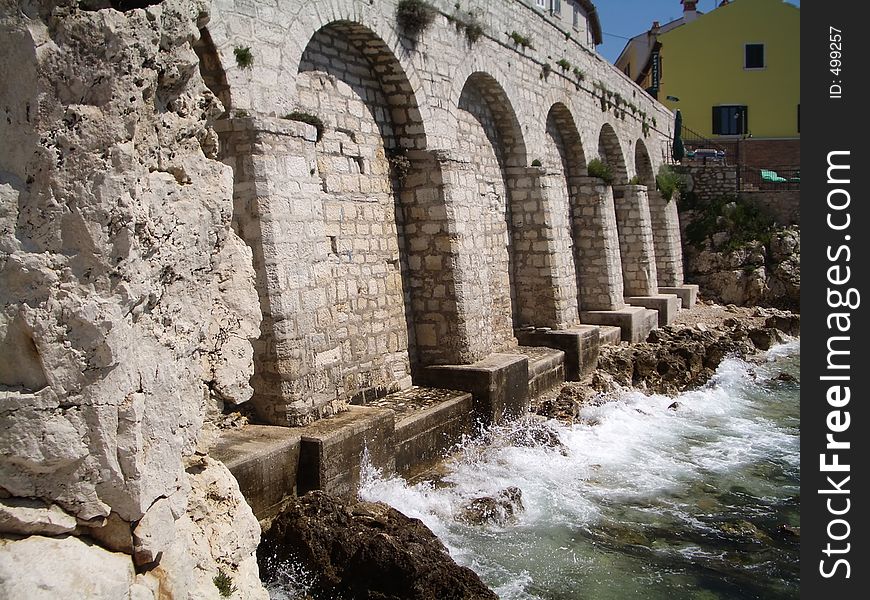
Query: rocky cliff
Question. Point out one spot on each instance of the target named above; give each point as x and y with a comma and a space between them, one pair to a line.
127, 305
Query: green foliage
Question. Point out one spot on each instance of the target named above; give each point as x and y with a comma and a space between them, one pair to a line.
399, 163
579, 74
744, 223
414, 16
224, 584
241, 112
644, 127
669, 181
546, 69
244, 58
473, 30
521, 40
308, 118
564, 64
598, 168
536, 163
634, 180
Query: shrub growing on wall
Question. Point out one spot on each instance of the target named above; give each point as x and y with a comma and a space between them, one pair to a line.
414, 16
669, 181
598, 168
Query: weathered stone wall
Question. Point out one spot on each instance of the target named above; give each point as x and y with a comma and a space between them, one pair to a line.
127, 304
667, 238
710, 182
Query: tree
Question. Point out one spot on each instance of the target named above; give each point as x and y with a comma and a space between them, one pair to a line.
679, 151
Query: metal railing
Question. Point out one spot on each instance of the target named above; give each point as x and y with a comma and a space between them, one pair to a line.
694, 141
755, 179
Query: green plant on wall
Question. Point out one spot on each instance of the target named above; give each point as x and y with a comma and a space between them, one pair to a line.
521, 40
579, 74
244, 58
546, 69
599, 168
669, 181
536, 162
564, 64
414, 16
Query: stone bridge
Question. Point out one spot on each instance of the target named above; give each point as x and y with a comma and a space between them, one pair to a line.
435, 213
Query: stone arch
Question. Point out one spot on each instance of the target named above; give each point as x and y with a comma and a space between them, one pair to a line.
489, 141
610, 151
643, 165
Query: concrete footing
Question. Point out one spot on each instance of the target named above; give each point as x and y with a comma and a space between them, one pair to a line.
264, 460
667, 305
688, 293
499, 384
428, 423
635, 322
609, 334
580, 345
546, 368
332, 449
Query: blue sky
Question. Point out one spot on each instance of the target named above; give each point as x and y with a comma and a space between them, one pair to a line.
626, 18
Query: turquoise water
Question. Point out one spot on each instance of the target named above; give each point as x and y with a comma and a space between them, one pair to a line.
642, 501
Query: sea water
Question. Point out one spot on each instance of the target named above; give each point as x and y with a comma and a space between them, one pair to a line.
644, 499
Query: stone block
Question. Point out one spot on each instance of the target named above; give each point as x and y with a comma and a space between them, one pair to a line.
264, 460
688, 293
609, 334
499, 384
634, 322
667, 305
331, 451
580, 345
429, 422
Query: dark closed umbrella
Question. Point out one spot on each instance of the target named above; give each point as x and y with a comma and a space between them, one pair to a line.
679, 150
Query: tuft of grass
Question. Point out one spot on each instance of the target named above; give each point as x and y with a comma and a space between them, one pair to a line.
473, 30
546, 69
579, 74
224, 584
598, 168
564, 64
244, 57
521, 40
305, 117
414, 16
634, 180
537, 163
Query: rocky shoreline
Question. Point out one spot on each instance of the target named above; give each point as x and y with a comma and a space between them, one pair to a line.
369, 550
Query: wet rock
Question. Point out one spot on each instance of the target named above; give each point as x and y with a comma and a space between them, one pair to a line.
501, 509
787, 377
365, 551
789, 531
764, 338
744, 532
674, 406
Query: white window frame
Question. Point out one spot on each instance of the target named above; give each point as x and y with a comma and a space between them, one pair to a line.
542, 4
556, 7
577, 13
763, 56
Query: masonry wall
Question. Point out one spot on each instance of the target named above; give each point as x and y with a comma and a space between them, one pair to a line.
710, 181
416, 227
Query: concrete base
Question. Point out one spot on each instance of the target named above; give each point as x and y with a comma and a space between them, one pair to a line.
263, 459
499, 384
688, 293
546, 368
331, 451
667, 305
580, 345
608, 334
428, 423
635, 322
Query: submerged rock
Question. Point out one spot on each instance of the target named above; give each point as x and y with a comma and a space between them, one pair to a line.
365, 550
498, 510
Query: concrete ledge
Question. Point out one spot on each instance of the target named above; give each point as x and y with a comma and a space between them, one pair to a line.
608, 334
331, 449
428, 423
499, 384
688, 293
580, 345
546, 368
264, 460
667, 305
635, 322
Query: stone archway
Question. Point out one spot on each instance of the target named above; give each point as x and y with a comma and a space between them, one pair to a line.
643, 165
490, 139
610, 151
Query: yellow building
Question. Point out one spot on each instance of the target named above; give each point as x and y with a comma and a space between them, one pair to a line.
733, 72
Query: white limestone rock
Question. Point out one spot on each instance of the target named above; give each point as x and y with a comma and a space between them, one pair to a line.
44, 568
28, 517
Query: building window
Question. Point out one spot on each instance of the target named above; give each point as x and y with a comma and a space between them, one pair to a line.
541, 3
730, 120
556, 7
753, 56
576, 16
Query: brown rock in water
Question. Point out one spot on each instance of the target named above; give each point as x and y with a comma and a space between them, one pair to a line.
365, 551
499, 510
